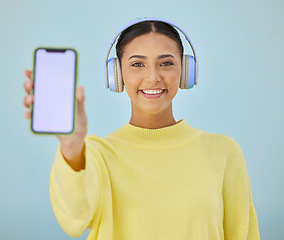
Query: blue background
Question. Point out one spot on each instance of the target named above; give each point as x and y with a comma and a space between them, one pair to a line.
239, 45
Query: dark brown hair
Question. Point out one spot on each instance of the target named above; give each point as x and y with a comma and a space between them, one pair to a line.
142, 28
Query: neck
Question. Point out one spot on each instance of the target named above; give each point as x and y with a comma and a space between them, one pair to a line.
152, 120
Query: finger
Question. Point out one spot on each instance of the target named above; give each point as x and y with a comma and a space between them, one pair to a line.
28, 114
28, 86
28, 73
80, 95
28, 100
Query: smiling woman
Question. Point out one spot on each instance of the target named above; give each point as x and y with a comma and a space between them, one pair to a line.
151, 71
155, 177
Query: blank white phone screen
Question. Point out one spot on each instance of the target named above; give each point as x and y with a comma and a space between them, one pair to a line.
54, 86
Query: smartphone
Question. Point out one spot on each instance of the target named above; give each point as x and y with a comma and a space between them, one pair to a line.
54, 76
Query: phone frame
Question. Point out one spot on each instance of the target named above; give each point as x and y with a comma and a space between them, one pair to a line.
56, 49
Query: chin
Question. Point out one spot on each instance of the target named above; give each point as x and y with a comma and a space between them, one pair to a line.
155, 110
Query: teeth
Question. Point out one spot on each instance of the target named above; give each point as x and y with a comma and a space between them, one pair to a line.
152, 91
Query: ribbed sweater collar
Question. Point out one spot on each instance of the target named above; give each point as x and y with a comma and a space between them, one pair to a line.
156, 138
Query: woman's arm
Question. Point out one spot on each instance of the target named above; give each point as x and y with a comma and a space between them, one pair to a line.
75, 182
240, 219
76, 196
72, 146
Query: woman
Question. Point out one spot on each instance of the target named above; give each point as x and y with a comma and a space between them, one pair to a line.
155, 177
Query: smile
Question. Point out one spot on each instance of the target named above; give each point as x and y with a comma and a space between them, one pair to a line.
152, 91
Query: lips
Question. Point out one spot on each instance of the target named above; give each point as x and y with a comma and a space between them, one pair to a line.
152, 93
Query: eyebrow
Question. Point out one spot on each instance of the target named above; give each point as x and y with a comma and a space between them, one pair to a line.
165, 56
159, 57
138, 56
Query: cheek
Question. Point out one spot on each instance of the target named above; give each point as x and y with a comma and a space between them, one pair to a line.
129, 89
130, 83
174, 80
131, 80
127, 76
130, 86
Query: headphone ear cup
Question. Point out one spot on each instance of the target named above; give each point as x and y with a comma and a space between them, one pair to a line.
114, 79
118, 79
110, 75
188, 72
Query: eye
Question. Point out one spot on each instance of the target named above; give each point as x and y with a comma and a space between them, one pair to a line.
137, 64
166, 64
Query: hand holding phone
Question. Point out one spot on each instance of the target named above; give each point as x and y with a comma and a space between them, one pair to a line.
71, 145
81, 123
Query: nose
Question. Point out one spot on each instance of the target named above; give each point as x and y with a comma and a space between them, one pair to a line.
153, 74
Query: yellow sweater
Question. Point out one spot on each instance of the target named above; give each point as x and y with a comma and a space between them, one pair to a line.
174, 183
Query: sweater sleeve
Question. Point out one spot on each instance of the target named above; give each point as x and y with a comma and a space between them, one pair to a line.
75, 197
240, 219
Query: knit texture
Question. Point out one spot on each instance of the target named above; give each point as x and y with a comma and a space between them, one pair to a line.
176, 182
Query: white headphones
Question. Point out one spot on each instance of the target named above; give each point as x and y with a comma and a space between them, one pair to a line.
189, 74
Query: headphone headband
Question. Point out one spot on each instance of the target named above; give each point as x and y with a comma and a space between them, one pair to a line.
149, 20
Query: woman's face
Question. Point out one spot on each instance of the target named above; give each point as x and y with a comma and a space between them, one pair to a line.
151, 71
